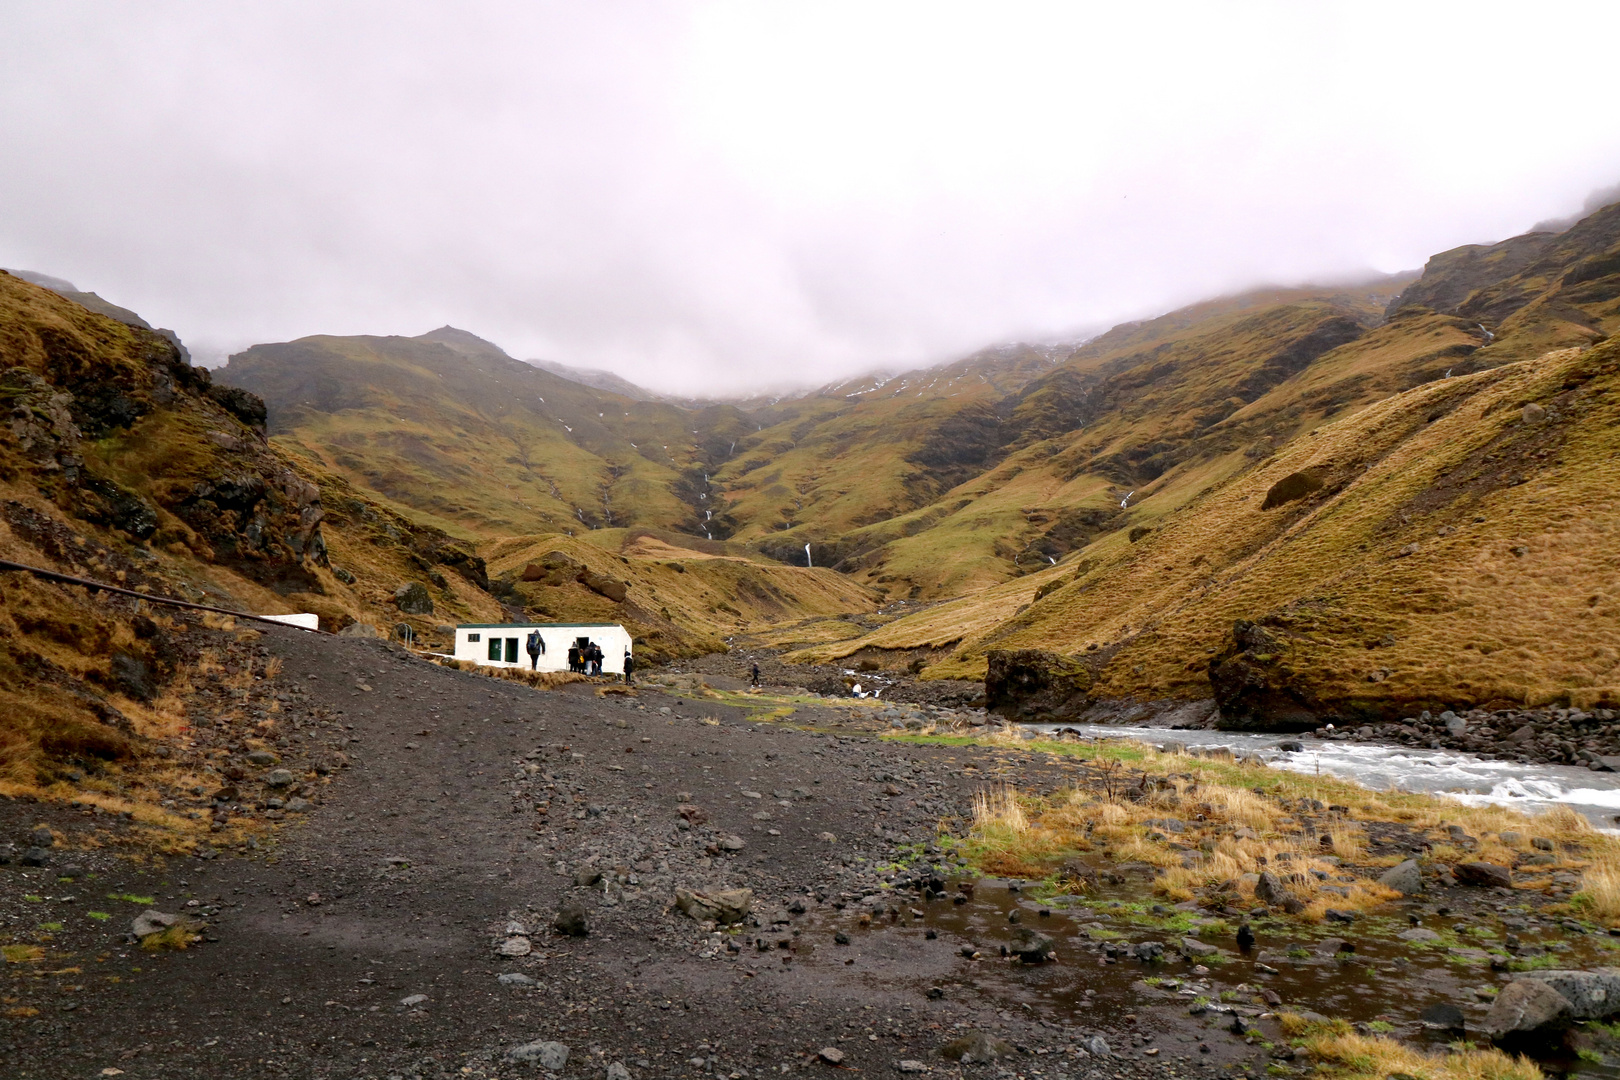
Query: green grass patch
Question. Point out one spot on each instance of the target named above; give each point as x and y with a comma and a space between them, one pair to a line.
1536, 963
99, 916
131, 898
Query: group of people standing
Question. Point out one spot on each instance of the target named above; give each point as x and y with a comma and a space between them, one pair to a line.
585, 659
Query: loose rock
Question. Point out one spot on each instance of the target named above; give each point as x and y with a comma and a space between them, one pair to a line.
573, 919
722, 906
1483, 874
550, 1056
975, 1048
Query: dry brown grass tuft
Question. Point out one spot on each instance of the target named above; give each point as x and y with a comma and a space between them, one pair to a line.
1363, 1057
540, 680
1600, 888
996, 809
179, 936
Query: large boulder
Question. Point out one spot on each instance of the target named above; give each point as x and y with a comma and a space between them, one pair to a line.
1592, 995
1484, 874
1526, 1009
1291, 487
1256, 687
1269, 890
550, 1056
413, 599
152, 922
573, 919
721, 906
612, 588
1031, 946
553, 568
976, 1048
1032, 682
1405, 878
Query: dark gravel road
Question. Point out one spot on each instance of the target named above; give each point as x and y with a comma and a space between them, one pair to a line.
363, 941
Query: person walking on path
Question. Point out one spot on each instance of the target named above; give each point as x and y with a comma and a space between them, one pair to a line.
537, 645
754, 680
629, 666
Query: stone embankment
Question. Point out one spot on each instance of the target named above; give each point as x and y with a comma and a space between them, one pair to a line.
1529, 736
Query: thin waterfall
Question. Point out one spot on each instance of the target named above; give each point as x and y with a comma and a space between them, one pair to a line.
807, 561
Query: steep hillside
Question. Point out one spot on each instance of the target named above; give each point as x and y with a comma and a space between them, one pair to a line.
1453, 544
449, 429
122, 463
1132, 424
1532, 293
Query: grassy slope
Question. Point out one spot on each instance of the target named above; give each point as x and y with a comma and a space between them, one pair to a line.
451, 430
1152, 410
163, 443
1466, 618
1509, 595
685, 596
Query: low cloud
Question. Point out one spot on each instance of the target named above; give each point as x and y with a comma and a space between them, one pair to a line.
713, 198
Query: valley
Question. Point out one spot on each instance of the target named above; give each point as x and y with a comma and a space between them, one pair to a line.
1373, 520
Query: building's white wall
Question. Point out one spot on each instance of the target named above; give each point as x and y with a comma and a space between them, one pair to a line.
304, 620
614, 641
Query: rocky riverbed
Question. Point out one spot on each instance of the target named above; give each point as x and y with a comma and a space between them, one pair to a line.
484, 879
1530, 736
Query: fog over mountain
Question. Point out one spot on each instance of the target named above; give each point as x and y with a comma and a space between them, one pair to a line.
710, 199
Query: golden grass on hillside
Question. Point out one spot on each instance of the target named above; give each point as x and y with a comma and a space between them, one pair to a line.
681, 601
1466, 558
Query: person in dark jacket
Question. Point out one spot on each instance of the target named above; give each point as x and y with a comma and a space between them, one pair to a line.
754, 679
537, 645
629, 666
573, 658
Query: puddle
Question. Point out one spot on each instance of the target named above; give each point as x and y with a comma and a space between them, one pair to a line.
1379, 979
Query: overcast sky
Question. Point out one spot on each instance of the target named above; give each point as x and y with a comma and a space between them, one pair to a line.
715, 197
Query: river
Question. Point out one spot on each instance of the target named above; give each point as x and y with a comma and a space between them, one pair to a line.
1382, 766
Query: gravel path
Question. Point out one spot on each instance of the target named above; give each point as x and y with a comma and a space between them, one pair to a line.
364, 941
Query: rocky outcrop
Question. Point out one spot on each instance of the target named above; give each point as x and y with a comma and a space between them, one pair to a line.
553, 568
1032, 682
612, 588
1257, 688
67, 379
558, 568
413, 599
1292, 487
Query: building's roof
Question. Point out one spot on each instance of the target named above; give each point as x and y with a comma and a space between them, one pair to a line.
538, 625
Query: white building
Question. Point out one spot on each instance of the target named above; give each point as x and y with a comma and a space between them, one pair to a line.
506, 644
